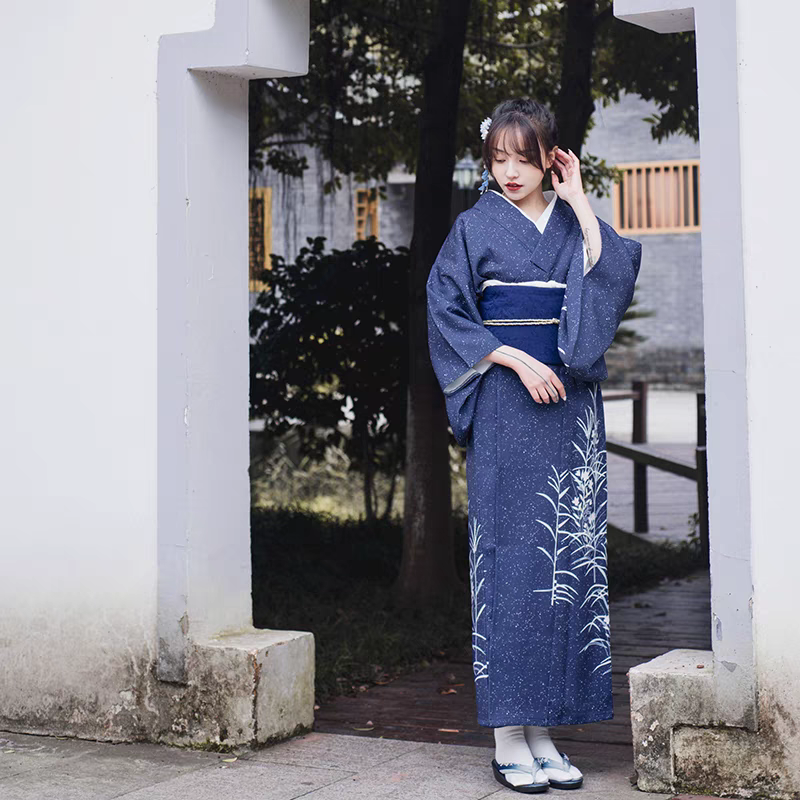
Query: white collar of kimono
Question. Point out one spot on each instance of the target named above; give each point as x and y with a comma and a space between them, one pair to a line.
540, 223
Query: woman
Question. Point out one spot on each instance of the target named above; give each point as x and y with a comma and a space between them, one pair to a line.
524, 299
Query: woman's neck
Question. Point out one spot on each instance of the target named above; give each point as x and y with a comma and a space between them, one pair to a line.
533, 205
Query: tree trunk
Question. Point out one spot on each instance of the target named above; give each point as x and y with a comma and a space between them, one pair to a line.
575, 103
427, 571
361, 429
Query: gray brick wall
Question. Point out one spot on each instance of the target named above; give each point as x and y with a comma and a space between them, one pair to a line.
670, 281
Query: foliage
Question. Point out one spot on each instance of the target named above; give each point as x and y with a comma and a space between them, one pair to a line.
360, 100
329, 354
328, 370
314, 572
635, 564
281, 476
657, 67
628, 337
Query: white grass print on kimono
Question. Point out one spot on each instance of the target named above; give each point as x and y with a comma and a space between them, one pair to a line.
479, 657
536, 472
579, 529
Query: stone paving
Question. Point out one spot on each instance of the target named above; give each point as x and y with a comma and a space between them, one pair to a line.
321, 766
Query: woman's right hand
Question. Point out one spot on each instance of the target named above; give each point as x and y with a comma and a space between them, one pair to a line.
542, 383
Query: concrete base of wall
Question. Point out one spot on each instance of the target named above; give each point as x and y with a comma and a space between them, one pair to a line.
249, 688
680, 745
674, 688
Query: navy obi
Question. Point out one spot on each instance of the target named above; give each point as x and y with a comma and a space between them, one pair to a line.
525, 317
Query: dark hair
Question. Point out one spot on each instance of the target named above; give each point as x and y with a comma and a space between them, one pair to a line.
534, 122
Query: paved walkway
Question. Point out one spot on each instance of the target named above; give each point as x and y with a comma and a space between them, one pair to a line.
404, 756
671, 417
319, 766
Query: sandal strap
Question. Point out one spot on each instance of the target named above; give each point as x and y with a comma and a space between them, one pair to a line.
564, 764
531, 769
511, 767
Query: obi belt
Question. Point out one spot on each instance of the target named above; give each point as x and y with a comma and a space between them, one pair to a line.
525, 317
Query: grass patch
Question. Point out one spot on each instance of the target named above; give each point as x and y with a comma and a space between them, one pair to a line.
635, 564
316, 572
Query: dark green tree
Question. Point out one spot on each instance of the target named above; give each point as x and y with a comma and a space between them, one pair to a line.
333, 326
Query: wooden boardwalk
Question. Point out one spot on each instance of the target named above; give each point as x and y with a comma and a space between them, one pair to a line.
671, 498
438, 704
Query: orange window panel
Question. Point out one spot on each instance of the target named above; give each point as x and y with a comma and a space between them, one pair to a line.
260, 236
366, 213
658, 197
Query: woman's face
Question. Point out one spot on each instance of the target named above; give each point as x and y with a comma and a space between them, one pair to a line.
515, 174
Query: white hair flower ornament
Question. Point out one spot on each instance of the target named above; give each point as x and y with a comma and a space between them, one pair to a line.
485, 125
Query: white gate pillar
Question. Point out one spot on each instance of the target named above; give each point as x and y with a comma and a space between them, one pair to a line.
204, 575
729, 720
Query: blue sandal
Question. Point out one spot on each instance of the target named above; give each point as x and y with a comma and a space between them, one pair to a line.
564, 764
500, 770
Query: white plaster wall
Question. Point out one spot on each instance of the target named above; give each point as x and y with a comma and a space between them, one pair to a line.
770, 174
78, 328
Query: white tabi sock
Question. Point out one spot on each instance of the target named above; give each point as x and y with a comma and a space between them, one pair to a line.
510, 747
541, 746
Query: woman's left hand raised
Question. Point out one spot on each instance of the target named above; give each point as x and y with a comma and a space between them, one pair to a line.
566, 175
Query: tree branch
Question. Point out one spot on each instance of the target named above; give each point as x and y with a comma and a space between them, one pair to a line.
393, 22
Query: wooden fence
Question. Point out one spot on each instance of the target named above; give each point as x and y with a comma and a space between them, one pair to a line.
644, 457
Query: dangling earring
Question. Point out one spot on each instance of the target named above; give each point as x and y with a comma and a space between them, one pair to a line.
485, 179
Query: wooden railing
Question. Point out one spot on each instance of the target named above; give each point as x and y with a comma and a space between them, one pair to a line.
643, 457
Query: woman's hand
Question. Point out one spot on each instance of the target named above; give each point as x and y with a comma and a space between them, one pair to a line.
565, 175
542, 383
570, 189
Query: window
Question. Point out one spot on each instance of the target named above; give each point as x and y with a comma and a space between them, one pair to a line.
658, 197
366, 213
260, 235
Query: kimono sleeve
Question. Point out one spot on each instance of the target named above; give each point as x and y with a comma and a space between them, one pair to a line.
457, 338
595, 301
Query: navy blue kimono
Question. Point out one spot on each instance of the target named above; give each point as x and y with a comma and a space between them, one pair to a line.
536, 472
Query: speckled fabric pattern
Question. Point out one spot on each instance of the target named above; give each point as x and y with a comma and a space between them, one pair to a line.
536, 473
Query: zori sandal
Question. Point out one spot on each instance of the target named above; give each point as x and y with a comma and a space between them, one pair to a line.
532, 787
564, 764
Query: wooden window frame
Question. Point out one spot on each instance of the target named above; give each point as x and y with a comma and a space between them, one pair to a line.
366, 208
264, 193
680, 210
